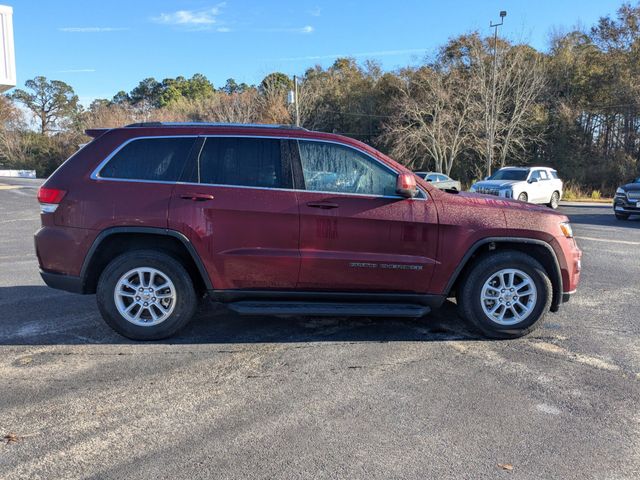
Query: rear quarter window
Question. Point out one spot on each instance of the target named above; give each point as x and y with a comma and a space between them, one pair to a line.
154, 159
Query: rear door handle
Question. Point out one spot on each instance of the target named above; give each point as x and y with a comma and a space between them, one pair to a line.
196, 197
322, 205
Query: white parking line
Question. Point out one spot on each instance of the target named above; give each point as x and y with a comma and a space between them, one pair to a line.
19, 219
624, 242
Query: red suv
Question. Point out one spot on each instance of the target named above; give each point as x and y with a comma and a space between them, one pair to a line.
280, 220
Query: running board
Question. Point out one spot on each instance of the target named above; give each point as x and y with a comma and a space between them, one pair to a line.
327, 309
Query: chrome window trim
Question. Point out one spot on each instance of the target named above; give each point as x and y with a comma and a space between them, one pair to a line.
95, 175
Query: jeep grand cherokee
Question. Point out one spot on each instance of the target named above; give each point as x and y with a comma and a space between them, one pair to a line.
280, 220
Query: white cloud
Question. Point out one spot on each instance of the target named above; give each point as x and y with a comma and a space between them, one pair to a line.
379, 53
315, 12
304, 30
91, 29
78, 70
191, 18
223, 29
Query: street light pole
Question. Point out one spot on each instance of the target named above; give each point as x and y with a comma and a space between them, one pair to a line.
492, 124
295, 89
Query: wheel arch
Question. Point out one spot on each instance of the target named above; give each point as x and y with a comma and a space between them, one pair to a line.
116, 240
538, 249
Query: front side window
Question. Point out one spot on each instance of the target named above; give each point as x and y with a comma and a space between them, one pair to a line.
153, 159
242, 161
329, 167
535, 175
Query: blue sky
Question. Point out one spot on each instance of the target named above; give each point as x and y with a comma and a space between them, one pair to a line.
100, 47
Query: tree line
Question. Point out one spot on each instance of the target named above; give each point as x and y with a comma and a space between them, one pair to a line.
472, 107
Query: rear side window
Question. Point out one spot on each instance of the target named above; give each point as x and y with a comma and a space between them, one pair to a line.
242, 161
554, 174
155, 159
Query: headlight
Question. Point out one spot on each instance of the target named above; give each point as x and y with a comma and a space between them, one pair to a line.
620, 191
565, 228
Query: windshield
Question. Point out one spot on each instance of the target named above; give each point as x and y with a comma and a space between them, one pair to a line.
510, 175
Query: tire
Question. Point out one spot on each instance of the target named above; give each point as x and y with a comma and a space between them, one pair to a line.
162, 317
622, 216
555, 200
493, 266
523, 197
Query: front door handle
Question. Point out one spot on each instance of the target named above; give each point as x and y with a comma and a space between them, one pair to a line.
196, 197
322, 205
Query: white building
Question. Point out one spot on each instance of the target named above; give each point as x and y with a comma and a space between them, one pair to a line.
7, 52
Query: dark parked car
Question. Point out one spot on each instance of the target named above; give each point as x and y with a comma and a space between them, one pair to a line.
440, 180
627, 200
281, 220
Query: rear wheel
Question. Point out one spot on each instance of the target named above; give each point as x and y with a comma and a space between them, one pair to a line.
523, 197
622, 216
555, 200
505, 295
146, 295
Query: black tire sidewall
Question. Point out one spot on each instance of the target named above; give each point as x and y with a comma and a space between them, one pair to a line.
525, 199
488, 266
186, 298
621, 216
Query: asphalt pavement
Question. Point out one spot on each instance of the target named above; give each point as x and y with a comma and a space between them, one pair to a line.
259, 397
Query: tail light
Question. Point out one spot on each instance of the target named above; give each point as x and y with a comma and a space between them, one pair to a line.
49, 198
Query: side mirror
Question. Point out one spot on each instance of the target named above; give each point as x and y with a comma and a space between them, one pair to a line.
532, 180
406, 185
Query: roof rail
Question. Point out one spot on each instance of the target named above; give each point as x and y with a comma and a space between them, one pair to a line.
212, 124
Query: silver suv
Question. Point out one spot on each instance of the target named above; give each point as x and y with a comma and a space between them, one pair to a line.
528, 184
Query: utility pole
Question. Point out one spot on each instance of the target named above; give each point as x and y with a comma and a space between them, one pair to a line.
492, 119
295, 94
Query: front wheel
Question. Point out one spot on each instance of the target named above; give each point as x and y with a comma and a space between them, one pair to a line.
146, 295
505, 295
523, 197
622, 216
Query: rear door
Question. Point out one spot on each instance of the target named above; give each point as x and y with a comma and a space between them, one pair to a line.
546, 186
133, 185
237, 206
355, 232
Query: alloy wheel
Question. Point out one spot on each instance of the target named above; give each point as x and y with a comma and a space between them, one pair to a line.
145, 296
508, 296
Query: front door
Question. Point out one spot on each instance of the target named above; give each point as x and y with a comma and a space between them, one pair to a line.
356, 233
238, 208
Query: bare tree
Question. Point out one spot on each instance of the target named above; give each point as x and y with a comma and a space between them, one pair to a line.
430, 121
506, 114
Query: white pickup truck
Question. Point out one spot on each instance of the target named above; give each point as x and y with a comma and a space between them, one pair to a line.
528, 184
